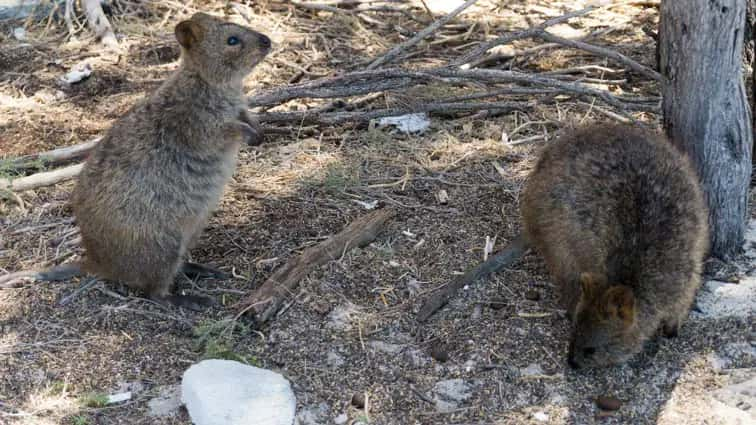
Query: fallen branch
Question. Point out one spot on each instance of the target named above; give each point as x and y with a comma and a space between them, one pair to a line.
55, 156
601, 51
363, 82
334, 118
46, 178
502, 259
467, 59
399, 48
267, 299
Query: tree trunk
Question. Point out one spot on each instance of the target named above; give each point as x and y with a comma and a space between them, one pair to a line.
750, 53
705, 107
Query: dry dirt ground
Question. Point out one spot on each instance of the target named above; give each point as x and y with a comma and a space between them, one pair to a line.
350, 329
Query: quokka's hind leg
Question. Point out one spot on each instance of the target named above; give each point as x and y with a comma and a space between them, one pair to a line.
670, 327
160, 294
196, 270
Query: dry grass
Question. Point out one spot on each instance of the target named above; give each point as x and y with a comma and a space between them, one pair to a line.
302, 187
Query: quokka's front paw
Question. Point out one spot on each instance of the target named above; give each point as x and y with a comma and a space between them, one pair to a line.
242, 131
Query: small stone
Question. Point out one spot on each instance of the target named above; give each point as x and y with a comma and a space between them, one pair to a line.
440, 353
541, 417
608, 403
532, 295
358, 400
166, 403
313, 415
385, 347
450, 393
443, 197
222, 392
341, 419
333, 359
533, 369
477, 312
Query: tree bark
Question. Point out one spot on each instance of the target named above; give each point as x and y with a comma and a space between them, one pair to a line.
705, 107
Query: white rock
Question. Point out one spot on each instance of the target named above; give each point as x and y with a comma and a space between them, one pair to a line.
166, 403
450, 393
341, 419
384, 346
80, 71
19, 33
334, 359
224, 392
540, 416
721, 299
313, 415
410, 123
533, 369
119, 398
739, 399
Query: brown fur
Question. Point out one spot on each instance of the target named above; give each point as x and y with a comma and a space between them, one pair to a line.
147, 190
619, 217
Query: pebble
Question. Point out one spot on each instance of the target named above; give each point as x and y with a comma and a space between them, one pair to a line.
358, 400
532, 295
608, 403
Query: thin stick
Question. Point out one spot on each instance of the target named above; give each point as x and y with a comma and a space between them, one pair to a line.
46, 178
346, 116
519, 35
56, 156
601, 51
495, 263
398, 49
263, 303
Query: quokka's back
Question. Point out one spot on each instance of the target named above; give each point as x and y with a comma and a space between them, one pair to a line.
619, 217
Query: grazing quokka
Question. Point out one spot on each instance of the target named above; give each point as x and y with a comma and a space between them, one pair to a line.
147, 189
619, 217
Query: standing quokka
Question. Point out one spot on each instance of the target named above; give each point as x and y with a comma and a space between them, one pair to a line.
619, 217
148, 188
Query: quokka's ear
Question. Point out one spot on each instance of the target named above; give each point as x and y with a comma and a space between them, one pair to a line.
189, 33
620, 304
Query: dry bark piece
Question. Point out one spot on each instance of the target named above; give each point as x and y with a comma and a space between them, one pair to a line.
493, 264
608, 403
265, 302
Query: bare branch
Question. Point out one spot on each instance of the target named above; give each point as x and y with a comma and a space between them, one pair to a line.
601, 51
519, 35
398, 49
46, 178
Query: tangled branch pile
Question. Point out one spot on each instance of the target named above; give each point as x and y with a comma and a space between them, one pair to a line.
471, 71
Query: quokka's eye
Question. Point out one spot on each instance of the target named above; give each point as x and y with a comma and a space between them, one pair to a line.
232, 41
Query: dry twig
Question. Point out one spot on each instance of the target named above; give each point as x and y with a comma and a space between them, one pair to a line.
398, 49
